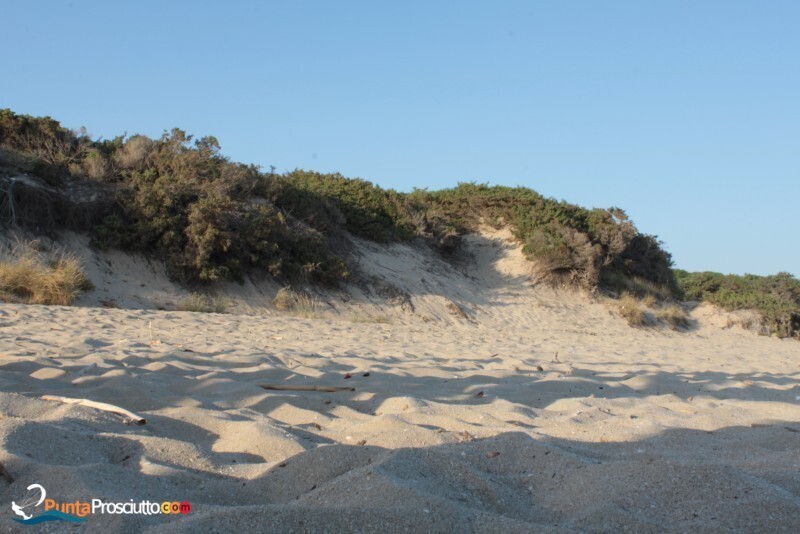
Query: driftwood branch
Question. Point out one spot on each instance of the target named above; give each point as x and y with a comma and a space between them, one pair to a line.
325, 389
5, 474
127, 416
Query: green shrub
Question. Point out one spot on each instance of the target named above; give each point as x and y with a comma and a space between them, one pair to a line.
776, 297
566, 242
364, 209
46, 148
196, 209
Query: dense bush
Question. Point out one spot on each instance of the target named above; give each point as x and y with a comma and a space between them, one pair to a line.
212, 219
197, 209
776, 297
362, 208
566, 242
43, 144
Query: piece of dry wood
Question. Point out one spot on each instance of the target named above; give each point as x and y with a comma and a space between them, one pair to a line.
325, 389
5, 474
127, 416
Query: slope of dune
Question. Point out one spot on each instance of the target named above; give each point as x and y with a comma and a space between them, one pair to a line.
481, 402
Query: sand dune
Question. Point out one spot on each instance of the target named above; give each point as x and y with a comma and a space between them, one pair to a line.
490, 405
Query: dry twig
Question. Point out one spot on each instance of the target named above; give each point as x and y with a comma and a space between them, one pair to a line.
127, 416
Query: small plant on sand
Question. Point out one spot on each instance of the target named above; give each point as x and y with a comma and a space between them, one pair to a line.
674, 315
749, 320
285, 299
308, 307
301, 304
648, 310
198, 302
33, 276
631, 309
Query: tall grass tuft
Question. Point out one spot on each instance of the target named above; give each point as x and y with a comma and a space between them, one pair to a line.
300, 304
674, 315
33, 276
631, 309
198, 302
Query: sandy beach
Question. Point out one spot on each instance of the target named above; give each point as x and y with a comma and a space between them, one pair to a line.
480, 402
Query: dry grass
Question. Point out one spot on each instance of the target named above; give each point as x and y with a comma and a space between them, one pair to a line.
33, 276
308, 307
96, 167
650, 301
750, 320
135, 154
284, 300
197, 302
648, 291
648, 311
631, 309
301, 304
674, 315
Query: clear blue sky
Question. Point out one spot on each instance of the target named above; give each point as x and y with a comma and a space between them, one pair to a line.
684, 113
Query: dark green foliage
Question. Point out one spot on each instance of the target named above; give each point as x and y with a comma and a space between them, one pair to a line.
567, 243
776, 297
197, 210
364, 209
644, 259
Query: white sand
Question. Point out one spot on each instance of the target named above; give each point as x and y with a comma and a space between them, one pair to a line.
623, 429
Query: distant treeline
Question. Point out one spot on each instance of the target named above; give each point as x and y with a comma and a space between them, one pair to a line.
210, 218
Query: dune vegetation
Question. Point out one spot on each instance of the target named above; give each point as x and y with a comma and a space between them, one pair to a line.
213, 219
199, 302
209, 218
776, 297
